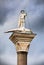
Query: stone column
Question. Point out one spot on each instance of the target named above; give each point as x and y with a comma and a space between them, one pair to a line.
22, 43
21, 58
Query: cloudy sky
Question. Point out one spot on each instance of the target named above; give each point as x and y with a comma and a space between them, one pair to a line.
9, 13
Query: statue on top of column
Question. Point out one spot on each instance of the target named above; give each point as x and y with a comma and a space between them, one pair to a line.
21, 22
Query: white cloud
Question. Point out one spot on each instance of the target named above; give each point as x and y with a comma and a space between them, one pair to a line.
35, 59
9, 59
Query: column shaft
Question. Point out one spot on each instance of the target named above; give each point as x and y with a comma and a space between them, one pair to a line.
21, 58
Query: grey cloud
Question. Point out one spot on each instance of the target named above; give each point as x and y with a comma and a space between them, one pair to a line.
36, 15
38, 2
3, 13
39, 63
38, 25
6, 7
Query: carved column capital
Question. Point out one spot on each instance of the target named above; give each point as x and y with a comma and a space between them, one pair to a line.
22, 46
22, 41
